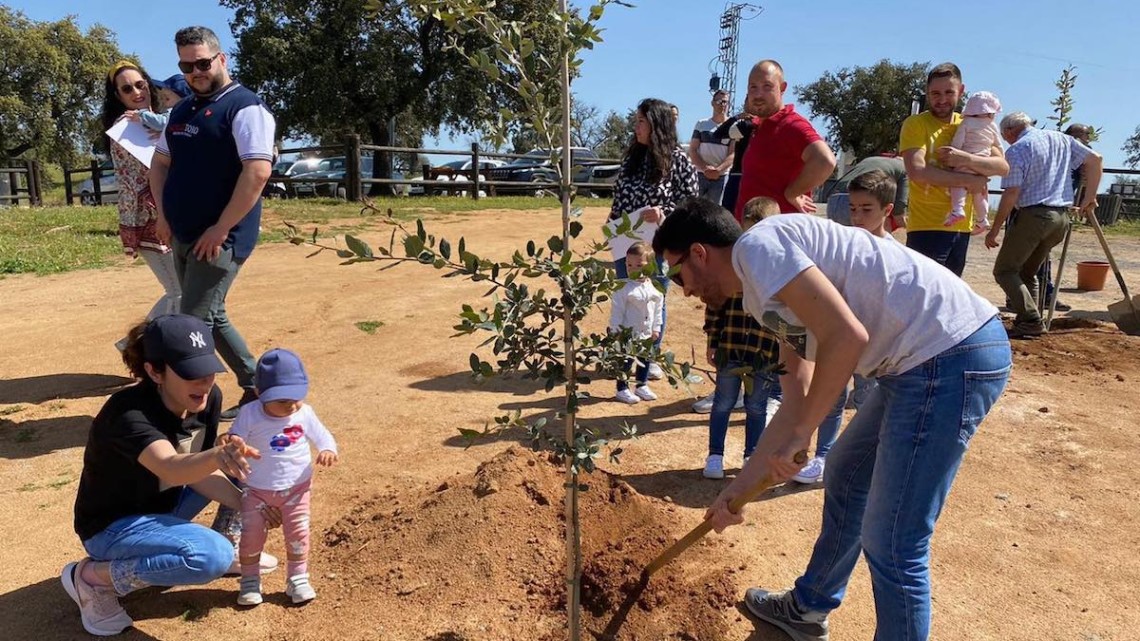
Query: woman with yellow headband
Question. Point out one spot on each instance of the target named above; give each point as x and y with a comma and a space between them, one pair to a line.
130, 91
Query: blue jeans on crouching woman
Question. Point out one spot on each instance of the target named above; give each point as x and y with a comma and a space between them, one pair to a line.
888, 476
162, 549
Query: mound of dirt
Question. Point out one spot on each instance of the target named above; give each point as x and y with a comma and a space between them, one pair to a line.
482, 557
1080, 347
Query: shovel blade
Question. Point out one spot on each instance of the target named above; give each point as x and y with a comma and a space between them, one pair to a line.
1125, 315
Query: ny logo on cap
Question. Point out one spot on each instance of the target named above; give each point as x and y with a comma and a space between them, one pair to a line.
197, 340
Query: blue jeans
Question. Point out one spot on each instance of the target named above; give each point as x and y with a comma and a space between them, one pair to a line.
162, 549
712, 190
829, 427
724, 399
641, 375
947, 248
889, 475
204, 289
622, 272
863, 388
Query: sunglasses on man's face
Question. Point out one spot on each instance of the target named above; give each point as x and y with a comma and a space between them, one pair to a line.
720, 102
675, 270
201, 64
139, 86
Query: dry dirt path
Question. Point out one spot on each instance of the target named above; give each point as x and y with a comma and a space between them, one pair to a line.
1037, 542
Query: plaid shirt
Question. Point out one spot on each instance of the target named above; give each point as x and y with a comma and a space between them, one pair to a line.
738, 337
1041, 163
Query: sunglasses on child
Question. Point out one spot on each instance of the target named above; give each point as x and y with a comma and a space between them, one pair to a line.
201, 64
140, 86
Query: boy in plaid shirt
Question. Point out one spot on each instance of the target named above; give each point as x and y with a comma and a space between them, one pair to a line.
738, 346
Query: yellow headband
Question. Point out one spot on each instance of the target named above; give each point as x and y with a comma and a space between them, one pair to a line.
119, 66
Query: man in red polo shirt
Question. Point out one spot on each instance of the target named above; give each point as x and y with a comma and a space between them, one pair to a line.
786, 159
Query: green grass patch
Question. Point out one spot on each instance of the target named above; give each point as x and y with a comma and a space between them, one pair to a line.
11, 409
28, 487
55, 485
369, 326
52, 240
1123, 227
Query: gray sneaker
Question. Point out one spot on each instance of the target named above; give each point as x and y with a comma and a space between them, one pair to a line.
780, 609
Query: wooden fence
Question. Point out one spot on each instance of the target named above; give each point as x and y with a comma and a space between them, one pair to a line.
25, 183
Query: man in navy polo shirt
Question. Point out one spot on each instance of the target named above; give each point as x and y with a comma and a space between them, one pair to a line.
210, 167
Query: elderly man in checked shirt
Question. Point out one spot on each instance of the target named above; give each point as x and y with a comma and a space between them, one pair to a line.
1036, 196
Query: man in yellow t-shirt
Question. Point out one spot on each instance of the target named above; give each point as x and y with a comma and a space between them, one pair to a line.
930, 163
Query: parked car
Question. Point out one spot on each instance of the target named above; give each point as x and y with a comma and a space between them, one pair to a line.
440, 178
108, 186
604, 174
278, 188
328, 179
535, 167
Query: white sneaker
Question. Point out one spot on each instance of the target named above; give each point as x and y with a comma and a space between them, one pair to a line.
714, 467
627, 396
704, 406
655, 372
812, 472
644, 393
268, 564
739, 400
770, 411
99, 606
299, 589
250, 591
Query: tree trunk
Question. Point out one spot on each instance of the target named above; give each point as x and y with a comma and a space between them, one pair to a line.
381, 161
573, 533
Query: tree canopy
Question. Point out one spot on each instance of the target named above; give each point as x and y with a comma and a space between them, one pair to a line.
328, 68
1132, 148
865, 106
51, 88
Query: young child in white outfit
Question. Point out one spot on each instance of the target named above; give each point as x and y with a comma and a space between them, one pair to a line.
639, 306
280, 426
977, 135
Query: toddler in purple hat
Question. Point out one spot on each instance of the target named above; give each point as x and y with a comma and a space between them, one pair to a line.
977, 135
280, 426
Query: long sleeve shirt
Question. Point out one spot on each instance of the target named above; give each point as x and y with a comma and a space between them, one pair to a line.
283, 443
639, 306
632, 189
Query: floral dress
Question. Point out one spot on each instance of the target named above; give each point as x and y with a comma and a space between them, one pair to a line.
137, 215
632, 190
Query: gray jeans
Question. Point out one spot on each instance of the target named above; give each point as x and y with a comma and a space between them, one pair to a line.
1031, 234
162, 265
204, 289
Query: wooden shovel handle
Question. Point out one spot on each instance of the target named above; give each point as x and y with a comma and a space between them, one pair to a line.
734, 506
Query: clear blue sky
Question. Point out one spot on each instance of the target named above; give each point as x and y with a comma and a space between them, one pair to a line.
663, 48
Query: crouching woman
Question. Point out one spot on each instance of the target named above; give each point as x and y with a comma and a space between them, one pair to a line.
149, 467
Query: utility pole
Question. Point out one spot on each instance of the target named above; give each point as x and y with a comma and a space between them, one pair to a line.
724, 66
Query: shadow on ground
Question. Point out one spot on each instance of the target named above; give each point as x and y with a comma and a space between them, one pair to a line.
44, 612
36, 437
38, 389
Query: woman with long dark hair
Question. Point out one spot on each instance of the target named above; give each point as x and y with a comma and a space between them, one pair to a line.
129, 90
656, 174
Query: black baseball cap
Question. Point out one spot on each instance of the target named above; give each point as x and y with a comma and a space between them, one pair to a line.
183, 343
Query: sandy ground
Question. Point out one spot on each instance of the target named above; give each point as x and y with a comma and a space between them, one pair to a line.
1037, 541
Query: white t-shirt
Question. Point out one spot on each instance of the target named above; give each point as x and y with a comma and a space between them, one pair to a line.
913, 308
283, 443
711, 150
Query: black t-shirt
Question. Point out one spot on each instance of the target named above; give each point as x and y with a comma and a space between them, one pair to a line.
114, 484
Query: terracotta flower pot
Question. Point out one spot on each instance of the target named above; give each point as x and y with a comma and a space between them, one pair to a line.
1091, 275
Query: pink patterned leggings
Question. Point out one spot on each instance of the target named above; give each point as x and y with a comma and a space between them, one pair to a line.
294, 506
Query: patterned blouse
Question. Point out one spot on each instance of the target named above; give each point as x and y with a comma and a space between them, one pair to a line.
137, 216
632, 190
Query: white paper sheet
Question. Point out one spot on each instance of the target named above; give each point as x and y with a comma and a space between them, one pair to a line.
620, 244
135, 138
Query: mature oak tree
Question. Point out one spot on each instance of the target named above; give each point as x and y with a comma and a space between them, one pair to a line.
865, 106
51, 86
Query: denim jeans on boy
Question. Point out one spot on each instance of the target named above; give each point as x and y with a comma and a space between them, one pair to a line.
724, 399
204, 288
889, 475
622, 272
162, 549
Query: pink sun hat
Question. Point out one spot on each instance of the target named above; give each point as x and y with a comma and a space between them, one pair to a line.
982, 103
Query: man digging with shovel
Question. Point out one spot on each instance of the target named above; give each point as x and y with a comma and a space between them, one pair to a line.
869, 306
